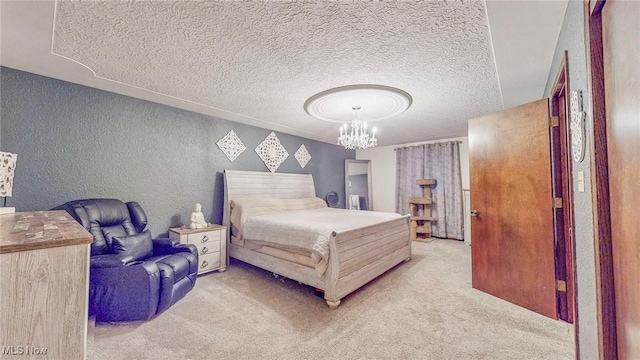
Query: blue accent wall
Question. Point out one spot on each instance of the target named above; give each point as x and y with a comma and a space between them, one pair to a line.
75, 142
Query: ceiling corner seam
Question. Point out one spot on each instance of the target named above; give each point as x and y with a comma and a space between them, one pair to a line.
493, 52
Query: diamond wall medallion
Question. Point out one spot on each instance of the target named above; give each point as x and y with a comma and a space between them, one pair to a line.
272, 152
302, 155
231, 145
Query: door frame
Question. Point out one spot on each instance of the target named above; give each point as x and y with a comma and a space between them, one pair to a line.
605, 289
562, 173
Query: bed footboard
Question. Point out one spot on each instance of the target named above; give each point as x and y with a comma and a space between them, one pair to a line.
360, 255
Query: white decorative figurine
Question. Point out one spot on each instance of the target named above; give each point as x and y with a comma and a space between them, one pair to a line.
197, 218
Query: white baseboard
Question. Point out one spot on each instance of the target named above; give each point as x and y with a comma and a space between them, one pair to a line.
7, 210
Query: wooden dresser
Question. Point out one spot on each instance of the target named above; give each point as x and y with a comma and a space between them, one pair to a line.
44, 286
211, 243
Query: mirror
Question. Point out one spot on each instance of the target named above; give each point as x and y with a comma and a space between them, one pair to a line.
357, 184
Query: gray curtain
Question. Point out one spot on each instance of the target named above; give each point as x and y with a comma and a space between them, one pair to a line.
441, 162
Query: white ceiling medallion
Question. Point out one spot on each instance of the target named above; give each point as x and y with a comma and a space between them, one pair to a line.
272, 152
231, 145
577, 126
377, 102
302, 155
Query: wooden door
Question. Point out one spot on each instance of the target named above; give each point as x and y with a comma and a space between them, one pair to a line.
512, 253
621, 51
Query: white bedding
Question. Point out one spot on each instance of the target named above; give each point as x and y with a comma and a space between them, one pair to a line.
309, 229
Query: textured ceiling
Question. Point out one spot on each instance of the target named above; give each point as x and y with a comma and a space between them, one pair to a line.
258, 62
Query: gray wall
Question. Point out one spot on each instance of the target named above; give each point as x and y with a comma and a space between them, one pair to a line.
76, 142
572, 39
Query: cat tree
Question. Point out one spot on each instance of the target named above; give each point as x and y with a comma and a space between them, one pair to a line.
420, 211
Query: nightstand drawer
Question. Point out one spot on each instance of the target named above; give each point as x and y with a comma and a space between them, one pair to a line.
211, 244
208, 247
208, 262
204, 237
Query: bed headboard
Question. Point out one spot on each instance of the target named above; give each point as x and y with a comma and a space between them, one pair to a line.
278, 185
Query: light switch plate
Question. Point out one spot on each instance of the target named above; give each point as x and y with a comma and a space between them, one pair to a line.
580, 181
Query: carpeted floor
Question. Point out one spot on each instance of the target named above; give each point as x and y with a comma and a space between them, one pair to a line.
423, 309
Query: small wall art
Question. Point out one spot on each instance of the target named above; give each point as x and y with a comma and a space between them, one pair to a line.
272, 152
231, 145
577, 126
302, 155
7, 171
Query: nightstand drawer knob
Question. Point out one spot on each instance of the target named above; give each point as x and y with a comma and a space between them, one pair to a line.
204, 239
204, 250
204, 264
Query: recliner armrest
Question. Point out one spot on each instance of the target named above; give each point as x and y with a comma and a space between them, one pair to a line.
187, 248
165, 242
110, 260
166, 246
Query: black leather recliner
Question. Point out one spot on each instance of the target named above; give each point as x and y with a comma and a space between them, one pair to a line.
132, 277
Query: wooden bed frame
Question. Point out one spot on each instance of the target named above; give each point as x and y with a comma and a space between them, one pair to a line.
356, 256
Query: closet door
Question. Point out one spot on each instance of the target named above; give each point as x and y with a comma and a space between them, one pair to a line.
512, 253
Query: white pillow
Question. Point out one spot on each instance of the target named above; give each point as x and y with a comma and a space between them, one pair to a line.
242, 207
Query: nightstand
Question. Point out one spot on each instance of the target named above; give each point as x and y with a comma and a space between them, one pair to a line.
211, 243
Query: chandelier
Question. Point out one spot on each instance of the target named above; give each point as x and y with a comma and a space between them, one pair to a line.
358, 138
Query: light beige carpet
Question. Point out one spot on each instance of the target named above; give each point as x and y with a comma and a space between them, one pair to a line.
423, 309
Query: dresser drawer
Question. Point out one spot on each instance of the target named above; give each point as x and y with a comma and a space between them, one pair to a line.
204, 237
208, 262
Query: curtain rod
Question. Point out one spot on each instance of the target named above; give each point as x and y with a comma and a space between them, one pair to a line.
428, 143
